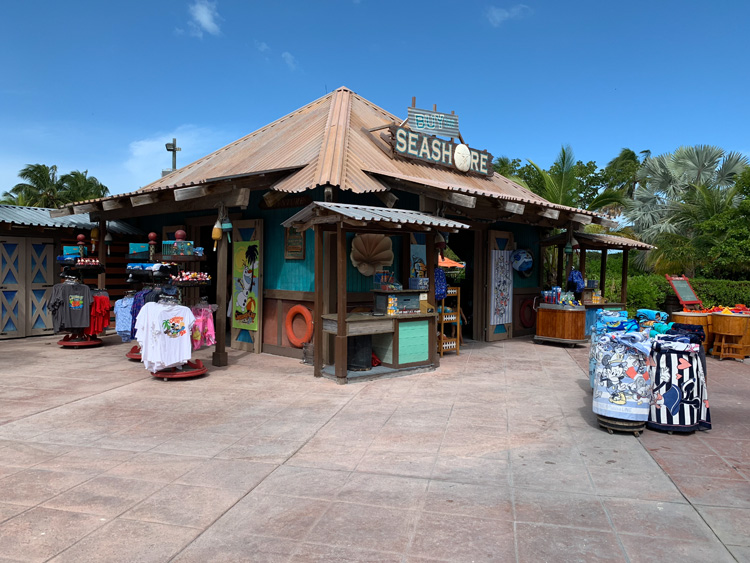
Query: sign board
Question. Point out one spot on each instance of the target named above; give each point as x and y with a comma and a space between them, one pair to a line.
418, 146
433, 122
294, 244
245, 292
684, 290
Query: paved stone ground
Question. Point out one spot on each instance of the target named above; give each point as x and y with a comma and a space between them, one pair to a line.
495, 457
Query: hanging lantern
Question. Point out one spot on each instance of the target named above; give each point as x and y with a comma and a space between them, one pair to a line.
94, 238
108, 241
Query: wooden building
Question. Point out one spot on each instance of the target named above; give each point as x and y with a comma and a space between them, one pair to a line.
343, 149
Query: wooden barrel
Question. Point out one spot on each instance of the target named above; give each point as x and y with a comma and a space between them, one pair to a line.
731, 325
745, 341
700, 319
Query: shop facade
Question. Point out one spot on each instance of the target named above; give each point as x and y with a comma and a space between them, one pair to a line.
344, 150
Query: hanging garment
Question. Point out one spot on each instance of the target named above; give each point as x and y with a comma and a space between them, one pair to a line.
139, 300
123, 318
203, 333
164, 331
680, 395
441, 285
70, 304
622, 382
100, 308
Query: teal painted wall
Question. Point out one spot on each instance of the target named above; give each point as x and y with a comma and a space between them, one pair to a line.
527, 238
413, 342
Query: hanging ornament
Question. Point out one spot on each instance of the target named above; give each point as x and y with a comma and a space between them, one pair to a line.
216, 233
94, 238
108, 241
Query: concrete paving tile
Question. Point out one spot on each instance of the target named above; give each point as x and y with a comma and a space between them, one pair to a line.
561, 509
740, 553
384, 490
473, 470
129, 540
696, 443
212, 547
234, 474
104, 495
640, 548
368, 527
198, 443
271, 515
161, 468
25, 454
731, 525
619, 482
657, 519
303, 482
91, 461
10, 510
451, 537
311, 553
406, 464
262, 449
5, 471
332, 456
698, 465
470, 500
185, 505
33, 486
713, 492
551, 476
138, 438
539, 542
41, 533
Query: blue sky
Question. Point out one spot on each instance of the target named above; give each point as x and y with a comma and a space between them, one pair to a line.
101, 86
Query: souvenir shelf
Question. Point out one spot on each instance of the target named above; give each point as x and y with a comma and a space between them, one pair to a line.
452, 317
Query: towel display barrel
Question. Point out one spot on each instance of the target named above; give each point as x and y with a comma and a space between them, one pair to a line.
700, 319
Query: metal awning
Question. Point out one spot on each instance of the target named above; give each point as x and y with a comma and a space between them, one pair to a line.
367, 216
597, 241
40, 217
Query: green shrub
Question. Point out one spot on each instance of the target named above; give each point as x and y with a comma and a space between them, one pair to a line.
647, 292
725, 293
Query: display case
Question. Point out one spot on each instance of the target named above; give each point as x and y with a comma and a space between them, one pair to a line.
561, 323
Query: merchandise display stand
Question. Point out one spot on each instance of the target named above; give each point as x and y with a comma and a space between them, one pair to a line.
613, 425
448, 343
190, 369
77, 339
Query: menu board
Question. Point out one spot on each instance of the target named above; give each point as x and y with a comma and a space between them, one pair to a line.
684, 290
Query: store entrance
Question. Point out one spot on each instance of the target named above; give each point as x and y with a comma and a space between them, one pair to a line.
460, 247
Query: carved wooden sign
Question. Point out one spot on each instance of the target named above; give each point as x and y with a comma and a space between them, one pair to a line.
412, 145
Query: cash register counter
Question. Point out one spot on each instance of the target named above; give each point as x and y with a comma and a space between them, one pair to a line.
561, 323
400, 341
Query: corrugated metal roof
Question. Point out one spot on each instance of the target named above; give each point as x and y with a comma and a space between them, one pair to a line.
371, 214
341, 140
599, 240
39, 217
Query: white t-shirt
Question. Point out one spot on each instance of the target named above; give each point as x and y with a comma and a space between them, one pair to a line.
163, 331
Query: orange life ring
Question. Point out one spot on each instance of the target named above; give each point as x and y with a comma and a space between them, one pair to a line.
526, 313
293, 312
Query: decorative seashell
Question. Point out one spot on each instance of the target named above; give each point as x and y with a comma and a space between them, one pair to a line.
370, 252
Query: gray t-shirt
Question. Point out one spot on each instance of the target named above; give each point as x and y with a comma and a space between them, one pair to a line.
70, 304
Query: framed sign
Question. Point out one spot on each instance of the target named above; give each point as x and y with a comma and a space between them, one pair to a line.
684, 290
294, 244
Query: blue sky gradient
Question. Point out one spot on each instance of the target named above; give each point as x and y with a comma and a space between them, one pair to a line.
101, 86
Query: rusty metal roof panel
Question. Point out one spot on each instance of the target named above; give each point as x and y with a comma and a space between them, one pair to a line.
39, 217
599, 240
372, 214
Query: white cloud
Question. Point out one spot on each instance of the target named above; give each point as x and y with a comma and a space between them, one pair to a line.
496, 16
205, 17
289, 59
148, 157
262, 46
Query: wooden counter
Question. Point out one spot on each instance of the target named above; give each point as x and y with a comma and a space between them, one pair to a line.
561, 323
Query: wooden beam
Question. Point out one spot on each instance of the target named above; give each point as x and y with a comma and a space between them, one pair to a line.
581, 218
624, 292
455, 198
340, 351
85, 208
512, 207
183, 194
145, 199
318, 307
553, 214
60, 212
604, 222
387, 197
110, 204
603, 271
220, 357
271, 198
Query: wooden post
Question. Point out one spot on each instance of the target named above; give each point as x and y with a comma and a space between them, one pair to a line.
340, 362
624, 292
102, 280
560, 257
603, 272
582, 262
318, 312
220, 357
431, 267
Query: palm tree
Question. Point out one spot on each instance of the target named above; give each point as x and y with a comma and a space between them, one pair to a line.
561, 186
79, 186
42, 187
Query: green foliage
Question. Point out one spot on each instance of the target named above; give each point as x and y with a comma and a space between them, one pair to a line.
454, 277
647, 292
721, 293
43, 188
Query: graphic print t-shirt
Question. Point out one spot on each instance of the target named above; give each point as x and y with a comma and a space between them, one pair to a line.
70, 304
163, 331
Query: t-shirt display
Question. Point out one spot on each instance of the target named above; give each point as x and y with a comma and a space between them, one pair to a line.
163, 331
70, 304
